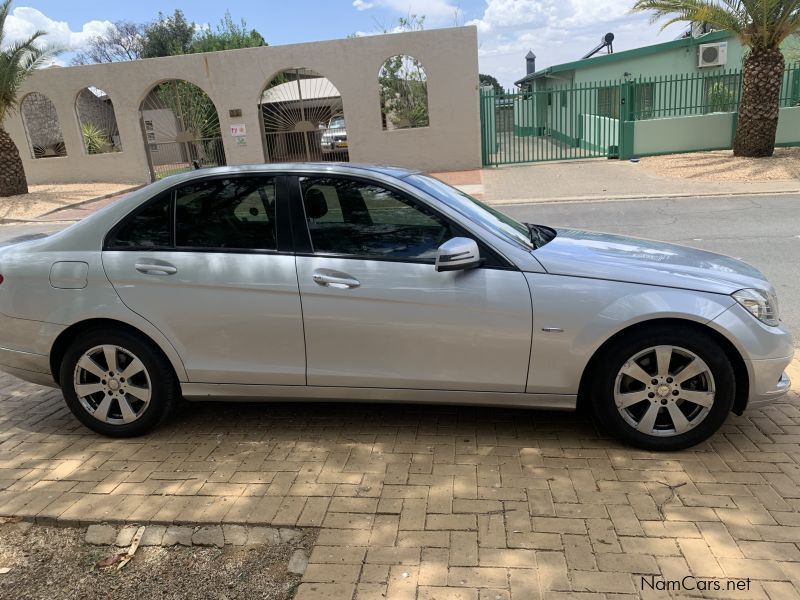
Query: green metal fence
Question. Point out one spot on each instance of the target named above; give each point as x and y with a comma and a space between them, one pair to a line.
589, 120
581, 121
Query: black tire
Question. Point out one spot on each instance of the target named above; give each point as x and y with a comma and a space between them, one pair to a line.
618, 353
164, 388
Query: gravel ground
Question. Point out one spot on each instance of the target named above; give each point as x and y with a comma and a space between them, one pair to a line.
723, 166
53, 563
44, 198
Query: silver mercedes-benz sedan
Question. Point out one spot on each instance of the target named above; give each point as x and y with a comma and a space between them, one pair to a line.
366, 283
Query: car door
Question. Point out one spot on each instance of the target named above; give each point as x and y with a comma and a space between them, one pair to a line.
378, 314
210, 264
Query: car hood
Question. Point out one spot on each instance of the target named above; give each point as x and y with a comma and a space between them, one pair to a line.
619, 258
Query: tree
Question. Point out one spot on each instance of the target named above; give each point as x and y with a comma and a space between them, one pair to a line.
490, 80
168, 36
404, 92
228, 36
122, 41
403, 83
17, 61
762, 26
95, 139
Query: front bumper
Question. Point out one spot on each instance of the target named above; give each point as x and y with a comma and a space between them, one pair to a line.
769, 381
767, 352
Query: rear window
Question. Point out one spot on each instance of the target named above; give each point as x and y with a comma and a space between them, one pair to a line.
150, 227
226, 213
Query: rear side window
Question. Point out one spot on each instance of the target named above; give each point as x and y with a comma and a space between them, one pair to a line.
151, 227
233, 213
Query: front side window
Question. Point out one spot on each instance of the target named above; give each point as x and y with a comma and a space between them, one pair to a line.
356, 218
232, 213
488, 217
150, 227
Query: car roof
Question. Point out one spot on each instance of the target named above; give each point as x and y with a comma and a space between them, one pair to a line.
305, 167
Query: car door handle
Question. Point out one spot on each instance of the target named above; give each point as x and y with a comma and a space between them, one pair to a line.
333, 281
156, 269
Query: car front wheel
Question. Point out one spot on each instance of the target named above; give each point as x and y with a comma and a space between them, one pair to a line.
116, 383
663, 389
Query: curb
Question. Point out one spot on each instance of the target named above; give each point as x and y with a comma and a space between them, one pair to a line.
11, 221
628, 198
103, 197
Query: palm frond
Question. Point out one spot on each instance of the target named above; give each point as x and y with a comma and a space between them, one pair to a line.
17, 61
757, 23
5, 8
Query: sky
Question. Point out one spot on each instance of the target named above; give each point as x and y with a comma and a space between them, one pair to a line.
556, 30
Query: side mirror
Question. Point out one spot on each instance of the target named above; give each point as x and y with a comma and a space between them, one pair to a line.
458, 254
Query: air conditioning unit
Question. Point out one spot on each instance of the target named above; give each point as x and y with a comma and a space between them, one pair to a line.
713, 55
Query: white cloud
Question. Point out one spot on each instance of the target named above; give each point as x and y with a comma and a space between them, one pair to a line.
24, 21
436, 12
557, 31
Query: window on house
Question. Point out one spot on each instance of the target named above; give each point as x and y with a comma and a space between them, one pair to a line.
643, 101
608, 102
721, 93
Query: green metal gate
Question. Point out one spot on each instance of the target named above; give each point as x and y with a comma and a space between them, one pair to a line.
576, 122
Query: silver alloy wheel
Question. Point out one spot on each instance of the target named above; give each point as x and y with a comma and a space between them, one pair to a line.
664, 391
112, 384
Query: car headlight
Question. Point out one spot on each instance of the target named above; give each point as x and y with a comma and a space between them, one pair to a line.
763, 305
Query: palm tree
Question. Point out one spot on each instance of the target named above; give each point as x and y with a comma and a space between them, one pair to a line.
17, 61
762, 26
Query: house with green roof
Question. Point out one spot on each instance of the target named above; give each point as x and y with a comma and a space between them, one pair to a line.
679, 95
676, 57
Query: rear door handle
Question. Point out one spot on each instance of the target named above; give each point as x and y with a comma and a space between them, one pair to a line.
338, 282
156, 268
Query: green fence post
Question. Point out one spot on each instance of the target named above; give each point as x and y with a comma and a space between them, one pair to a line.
626, 119
488, 125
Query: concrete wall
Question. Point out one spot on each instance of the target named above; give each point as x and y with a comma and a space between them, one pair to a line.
789, 126
683, 134
703, 132
235, 79
599, 133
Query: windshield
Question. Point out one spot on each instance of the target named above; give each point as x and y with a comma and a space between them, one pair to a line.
336, 123
473, 209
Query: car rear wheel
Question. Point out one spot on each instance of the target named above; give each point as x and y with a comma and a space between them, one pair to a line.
663, 389
116, 383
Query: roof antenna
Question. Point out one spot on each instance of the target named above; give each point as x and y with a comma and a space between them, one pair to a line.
607, 42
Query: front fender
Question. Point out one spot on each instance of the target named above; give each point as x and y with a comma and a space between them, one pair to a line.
574, 316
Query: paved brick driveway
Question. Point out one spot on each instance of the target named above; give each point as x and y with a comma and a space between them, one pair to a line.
432, 502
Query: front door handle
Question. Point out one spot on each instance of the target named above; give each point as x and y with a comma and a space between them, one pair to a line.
156, 268
340, 282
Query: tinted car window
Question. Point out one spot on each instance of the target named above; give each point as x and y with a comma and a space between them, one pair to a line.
232, 213
148, 228
356, 218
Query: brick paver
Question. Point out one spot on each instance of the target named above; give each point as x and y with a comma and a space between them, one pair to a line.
430, 502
